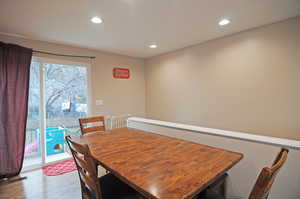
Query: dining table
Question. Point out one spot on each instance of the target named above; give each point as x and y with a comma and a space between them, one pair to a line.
158, 166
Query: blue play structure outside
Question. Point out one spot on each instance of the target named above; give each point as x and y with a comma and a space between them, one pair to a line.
54, 138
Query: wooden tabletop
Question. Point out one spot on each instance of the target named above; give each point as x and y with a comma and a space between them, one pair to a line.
159, 166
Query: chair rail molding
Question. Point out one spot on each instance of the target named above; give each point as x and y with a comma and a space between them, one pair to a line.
281, 142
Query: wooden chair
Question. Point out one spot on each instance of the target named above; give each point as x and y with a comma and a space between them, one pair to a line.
267, 176
264, 182
83, 122
92, 187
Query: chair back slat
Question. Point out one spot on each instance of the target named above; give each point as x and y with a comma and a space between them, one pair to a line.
267, 177
87, 168
84, 122
83, 164
94, 129
88, 181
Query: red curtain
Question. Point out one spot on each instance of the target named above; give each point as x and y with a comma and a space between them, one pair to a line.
14, 88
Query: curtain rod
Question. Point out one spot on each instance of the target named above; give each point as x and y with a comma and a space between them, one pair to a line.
62, 55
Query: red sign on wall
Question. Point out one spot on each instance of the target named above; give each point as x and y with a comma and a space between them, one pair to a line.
121, 73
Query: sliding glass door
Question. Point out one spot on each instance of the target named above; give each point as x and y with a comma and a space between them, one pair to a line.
65, 102
58, 97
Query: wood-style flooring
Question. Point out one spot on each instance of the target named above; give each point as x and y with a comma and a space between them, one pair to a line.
39, 186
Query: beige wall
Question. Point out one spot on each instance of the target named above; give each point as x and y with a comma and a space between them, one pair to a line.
120, 96
246, 82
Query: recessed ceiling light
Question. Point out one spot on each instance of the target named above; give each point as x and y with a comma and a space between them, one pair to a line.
153, 46
96, 20
224, 22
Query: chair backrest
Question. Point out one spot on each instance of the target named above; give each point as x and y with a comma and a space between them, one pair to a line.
267, 176
83, 122
87, 169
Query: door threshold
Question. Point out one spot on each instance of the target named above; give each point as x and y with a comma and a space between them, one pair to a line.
40, 166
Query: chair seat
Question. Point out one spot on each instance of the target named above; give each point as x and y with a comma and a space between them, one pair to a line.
113, 188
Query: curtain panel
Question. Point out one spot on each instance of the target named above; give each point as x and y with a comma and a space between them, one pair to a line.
14, 88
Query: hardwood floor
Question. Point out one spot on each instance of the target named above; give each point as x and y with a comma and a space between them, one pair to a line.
39, 186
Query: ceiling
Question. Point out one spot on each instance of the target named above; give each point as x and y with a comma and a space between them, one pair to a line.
131, 25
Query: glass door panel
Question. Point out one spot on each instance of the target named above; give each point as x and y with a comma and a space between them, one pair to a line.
65, 102
33, 152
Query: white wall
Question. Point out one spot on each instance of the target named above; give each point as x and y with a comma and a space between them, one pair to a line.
244, 174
